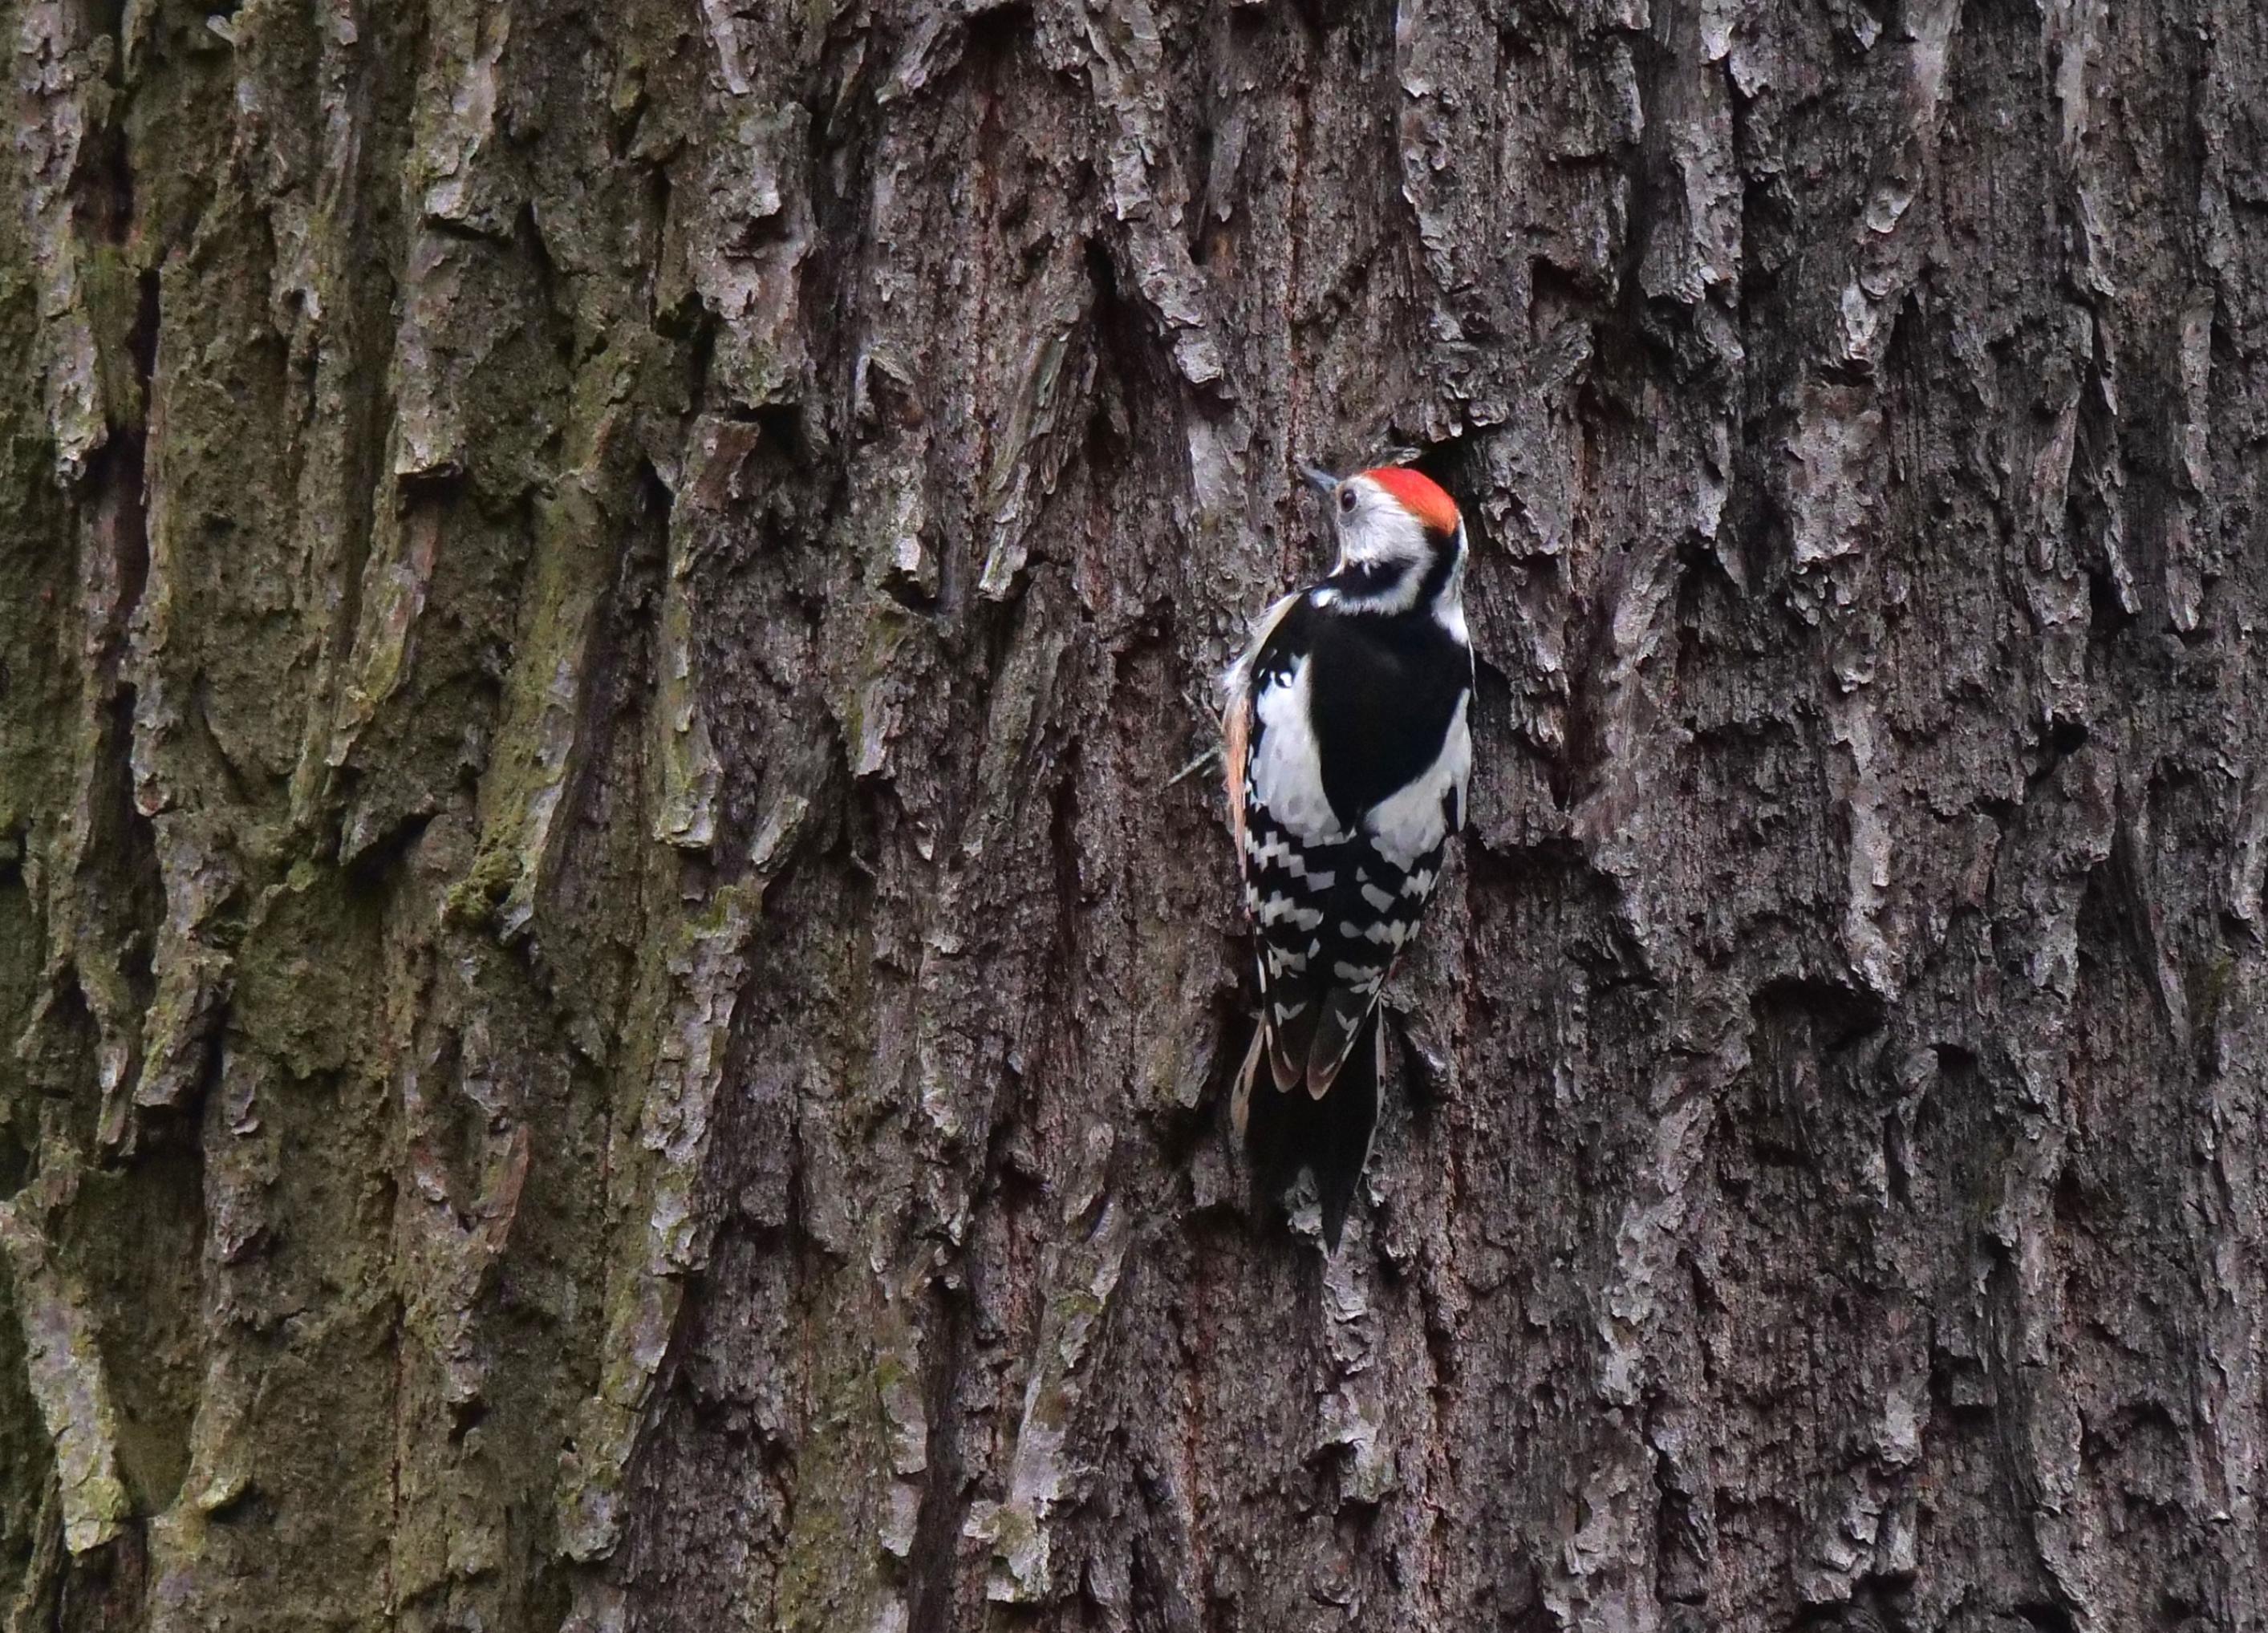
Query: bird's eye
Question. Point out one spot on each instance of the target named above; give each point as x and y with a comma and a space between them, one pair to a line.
1346, 500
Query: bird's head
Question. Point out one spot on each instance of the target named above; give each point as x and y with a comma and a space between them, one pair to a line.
1402, 542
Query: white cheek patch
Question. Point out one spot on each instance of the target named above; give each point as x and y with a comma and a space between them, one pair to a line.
1286, 774
1380, 533
1410, 822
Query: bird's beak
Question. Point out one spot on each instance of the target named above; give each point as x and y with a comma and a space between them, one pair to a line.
1320, 478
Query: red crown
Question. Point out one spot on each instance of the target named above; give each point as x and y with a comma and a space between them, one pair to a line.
1419, 494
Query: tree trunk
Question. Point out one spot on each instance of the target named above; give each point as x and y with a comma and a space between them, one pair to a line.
621, 1015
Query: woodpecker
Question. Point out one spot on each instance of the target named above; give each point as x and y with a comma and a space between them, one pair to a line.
1348, 753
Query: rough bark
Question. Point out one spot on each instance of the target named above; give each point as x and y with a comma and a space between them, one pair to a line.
619, 1019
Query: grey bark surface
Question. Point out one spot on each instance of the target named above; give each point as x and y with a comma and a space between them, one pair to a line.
615, 1018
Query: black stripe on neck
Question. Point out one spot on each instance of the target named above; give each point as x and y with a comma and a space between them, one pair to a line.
1365, 579
1437, 570
1360, 581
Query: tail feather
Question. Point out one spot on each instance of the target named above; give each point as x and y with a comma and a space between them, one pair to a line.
1335, 1033
1289, 1041
1329, 1135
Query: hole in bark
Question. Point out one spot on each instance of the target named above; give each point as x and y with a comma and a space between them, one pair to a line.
464, 1417
1867, 1610
2072, 1197
782, 427
996, 31
375, 855
15, 1163
2183, 1614
2105, 615
142, 339
2065, 738
1836, 1015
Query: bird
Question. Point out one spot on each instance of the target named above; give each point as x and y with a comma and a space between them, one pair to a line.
1348, 749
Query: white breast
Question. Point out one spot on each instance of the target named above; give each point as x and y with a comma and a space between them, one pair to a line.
1410, 822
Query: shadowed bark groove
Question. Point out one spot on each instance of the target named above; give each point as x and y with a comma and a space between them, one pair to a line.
616, 1018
